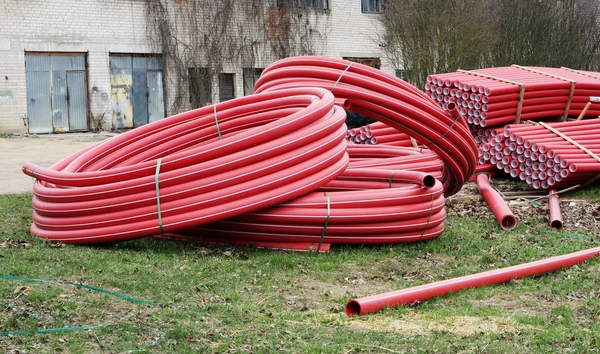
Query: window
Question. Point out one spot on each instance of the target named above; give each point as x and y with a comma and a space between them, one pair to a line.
226, 87
136, 87
311, 4
56, 92
200, 87
371, 6
250, 77
401, 74
372, 62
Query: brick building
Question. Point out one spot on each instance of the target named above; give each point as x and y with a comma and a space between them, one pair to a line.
68, 65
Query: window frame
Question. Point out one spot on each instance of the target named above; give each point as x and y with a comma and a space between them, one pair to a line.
208, 86
401, 74
256, 72
377, 5
303, 4
220, 78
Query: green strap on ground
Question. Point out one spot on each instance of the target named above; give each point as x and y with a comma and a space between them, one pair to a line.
99, 290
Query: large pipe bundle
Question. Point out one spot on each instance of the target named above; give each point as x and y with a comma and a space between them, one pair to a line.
550, 155
264, 168
504, 95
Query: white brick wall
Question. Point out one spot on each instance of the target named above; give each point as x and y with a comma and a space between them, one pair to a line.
100, 27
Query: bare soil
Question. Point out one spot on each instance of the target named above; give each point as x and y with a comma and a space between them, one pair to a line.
580, 216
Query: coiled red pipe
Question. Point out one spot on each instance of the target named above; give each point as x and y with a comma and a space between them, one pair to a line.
384, 98
275, 146
374, 201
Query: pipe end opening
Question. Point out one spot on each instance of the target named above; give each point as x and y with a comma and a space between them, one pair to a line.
352, 308
429, 181
556, 224
509, 222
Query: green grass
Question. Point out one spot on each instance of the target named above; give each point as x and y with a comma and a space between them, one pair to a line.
253, 300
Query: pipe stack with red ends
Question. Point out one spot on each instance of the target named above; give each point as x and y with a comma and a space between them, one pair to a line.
378, 133
497, 96
387, 99
551, 155
194, 168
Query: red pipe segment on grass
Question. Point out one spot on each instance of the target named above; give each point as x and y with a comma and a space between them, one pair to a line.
387, 99
420, 293
505, 217
203, 166
556, 220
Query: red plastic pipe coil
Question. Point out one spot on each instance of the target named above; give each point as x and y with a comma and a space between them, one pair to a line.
377, 200
387, 99
193, 168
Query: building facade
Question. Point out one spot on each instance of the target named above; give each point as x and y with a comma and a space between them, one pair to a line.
103, 64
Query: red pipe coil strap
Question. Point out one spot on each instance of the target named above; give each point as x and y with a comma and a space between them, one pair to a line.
387, 99
275, 147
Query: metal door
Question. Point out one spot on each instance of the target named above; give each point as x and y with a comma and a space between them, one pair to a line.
76, 97
50, 88
140, 98
156, 104
121, 92
39, 106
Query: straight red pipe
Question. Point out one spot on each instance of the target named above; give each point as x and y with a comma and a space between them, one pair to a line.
505, 217
420, 293
554, 206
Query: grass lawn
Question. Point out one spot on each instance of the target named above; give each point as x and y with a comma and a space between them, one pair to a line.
225, 299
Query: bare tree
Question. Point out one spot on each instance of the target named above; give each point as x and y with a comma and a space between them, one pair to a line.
547, 33
433, 36
198, 38
428, 36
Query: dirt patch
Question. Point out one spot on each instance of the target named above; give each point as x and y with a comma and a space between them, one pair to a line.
521, 304
579, 216
12, 243
415, 325
361, 280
